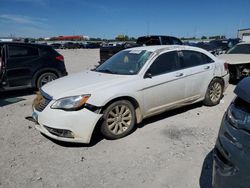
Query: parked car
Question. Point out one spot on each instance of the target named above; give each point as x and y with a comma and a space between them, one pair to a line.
109, 51
221, 46
70, 45
238, 59
92, 45
56, 45
82, 44
134, 84
209, 47
231, 157
25, 65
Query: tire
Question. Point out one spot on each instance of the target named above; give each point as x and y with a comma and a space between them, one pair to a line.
118, 120
45, 78
214, 92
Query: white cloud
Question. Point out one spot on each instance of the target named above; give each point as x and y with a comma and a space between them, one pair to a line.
21, 25
37, 2
20, 19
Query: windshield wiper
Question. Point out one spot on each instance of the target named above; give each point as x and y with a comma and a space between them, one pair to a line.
106, 71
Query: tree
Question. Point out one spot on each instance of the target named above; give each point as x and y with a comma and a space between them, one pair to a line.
203, 37
122, 38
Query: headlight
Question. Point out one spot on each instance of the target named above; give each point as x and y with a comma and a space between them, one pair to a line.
237, 117
70, 103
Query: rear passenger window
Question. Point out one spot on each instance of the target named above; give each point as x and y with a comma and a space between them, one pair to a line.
165, 63
22, 51
193, 58
207, 59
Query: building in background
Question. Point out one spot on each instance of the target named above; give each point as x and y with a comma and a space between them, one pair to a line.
70, 38
244, 34
6, 39
11, 39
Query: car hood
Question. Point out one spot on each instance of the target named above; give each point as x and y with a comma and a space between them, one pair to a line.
242, 90
85, 82
235, 59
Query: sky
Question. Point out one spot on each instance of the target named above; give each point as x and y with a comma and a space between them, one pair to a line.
109, 18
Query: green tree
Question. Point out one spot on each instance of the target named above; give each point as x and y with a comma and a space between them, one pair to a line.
121, 38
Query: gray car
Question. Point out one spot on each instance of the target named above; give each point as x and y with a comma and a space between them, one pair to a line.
231, 165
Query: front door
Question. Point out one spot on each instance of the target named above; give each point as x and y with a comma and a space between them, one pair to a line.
163, 84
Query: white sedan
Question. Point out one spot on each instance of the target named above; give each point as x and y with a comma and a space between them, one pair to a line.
132, 85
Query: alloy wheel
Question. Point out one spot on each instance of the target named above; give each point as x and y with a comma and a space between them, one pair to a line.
215, 92
119, 119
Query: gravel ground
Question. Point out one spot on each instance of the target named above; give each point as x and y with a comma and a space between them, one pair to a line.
169, 150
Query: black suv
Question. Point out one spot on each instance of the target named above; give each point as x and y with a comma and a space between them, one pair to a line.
26, 65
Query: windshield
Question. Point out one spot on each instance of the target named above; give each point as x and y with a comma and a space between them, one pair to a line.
127, 62
240, 49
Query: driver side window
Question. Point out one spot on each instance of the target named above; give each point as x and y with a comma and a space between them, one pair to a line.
165, 63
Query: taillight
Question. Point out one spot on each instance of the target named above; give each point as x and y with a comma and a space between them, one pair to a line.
60, 58
226, 66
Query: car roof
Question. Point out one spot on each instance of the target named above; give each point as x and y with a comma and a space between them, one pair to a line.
160, 48
27, 44
148, 36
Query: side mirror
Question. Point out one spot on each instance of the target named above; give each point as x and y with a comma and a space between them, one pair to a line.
148, 75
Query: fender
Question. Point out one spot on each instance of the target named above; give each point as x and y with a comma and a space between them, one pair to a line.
134, 99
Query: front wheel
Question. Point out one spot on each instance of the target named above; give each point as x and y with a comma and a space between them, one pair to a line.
214, 92
118, 120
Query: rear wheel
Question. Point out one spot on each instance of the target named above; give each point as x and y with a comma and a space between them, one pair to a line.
118, 120
45, 78
214, 92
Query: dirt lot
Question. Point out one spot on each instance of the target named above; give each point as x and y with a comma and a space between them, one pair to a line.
170, 150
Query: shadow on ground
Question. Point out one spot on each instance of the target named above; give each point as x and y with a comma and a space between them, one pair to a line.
206, 172
169, 114
11, 97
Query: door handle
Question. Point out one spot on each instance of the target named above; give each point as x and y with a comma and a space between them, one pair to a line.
179, 74
207, 67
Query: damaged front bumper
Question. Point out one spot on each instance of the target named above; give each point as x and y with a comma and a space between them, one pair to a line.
69, 126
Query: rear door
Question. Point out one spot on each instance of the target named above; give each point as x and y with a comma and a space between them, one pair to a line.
199, 71
20, 64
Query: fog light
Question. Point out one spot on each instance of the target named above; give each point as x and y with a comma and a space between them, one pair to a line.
60, 132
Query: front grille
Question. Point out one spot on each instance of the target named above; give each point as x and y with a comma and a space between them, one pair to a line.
40, 102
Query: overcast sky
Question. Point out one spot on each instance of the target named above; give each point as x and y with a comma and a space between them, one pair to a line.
109, 18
